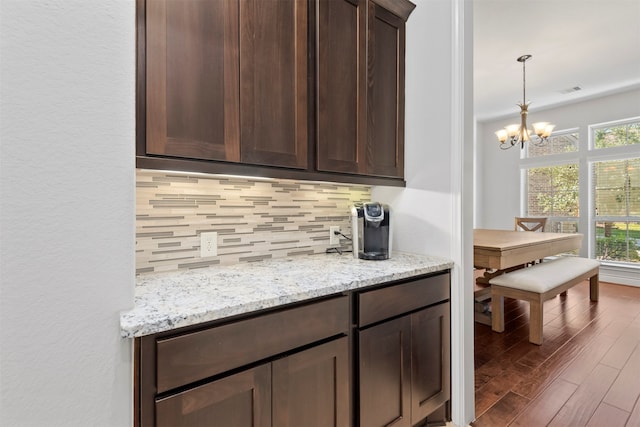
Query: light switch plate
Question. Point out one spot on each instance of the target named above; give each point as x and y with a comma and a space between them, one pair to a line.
208, 244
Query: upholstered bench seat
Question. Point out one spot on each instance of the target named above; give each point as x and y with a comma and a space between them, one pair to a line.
539, 283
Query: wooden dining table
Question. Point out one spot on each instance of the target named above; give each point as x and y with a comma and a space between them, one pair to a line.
499, 251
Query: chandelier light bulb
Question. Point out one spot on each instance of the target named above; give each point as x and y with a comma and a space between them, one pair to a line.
539, 127
512, 130
502, 135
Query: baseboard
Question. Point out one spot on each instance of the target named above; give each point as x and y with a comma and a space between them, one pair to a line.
629, 276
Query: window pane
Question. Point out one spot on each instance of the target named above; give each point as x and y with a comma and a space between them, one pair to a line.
563, 143
617, 187
617, 136
618, 241
563, 225
553, 191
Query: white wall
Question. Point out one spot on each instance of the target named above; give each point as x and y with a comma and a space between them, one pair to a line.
67, 126
498, 172
423, 208
433, 214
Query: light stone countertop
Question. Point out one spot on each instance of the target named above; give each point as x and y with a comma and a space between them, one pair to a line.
165, 301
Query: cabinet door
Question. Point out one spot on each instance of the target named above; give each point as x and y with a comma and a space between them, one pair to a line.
273, 82
341, 100
385, 95
311, 388
430, 360
192, 104
385, 374
240, 400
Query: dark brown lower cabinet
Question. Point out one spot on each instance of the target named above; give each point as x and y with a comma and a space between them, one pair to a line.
373, 357
309, 388
404, 362
405, 368
240, 400
430, 360
385, 374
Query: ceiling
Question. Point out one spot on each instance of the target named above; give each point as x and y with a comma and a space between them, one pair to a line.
591, 44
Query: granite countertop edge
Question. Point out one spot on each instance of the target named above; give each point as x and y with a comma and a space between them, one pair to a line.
166, 301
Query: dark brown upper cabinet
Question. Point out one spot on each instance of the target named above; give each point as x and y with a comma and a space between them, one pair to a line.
342, 85
227, 80
360, 74
192, 79
273, 83
385, 92
299, 89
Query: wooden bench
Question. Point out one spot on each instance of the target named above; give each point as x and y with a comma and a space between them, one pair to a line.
539, 283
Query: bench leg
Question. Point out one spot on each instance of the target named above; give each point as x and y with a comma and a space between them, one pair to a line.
497, 313
594, 287
535, 321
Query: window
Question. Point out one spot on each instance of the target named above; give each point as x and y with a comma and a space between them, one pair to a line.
616, 193
552, 192
617, 136
552, 189
565, 142
591, 187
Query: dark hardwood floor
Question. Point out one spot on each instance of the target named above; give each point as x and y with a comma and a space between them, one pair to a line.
586, 373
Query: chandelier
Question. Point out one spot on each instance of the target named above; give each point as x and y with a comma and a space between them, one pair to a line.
514, 134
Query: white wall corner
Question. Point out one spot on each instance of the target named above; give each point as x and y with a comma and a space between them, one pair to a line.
462, 159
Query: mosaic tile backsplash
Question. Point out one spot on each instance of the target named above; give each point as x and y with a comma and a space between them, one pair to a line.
255, 219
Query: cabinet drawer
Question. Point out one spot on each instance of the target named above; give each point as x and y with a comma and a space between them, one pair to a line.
194, 356
380, 304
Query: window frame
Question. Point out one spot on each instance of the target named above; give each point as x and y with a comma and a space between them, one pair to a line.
525, 153
614, 123
584, 158
549, 160
595, 155
525, 192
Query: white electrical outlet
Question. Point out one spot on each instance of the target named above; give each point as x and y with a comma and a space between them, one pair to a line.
334, 239
209, 244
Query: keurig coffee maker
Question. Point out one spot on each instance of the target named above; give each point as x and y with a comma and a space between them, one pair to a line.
371, 228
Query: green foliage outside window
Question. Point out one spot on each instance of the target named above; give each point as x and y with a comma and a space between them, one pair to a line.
618, 241
617, 136
617, 248
553, 191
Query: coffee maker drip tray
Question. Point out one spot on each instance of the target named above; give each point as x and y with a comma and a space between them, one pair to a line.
373, 255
